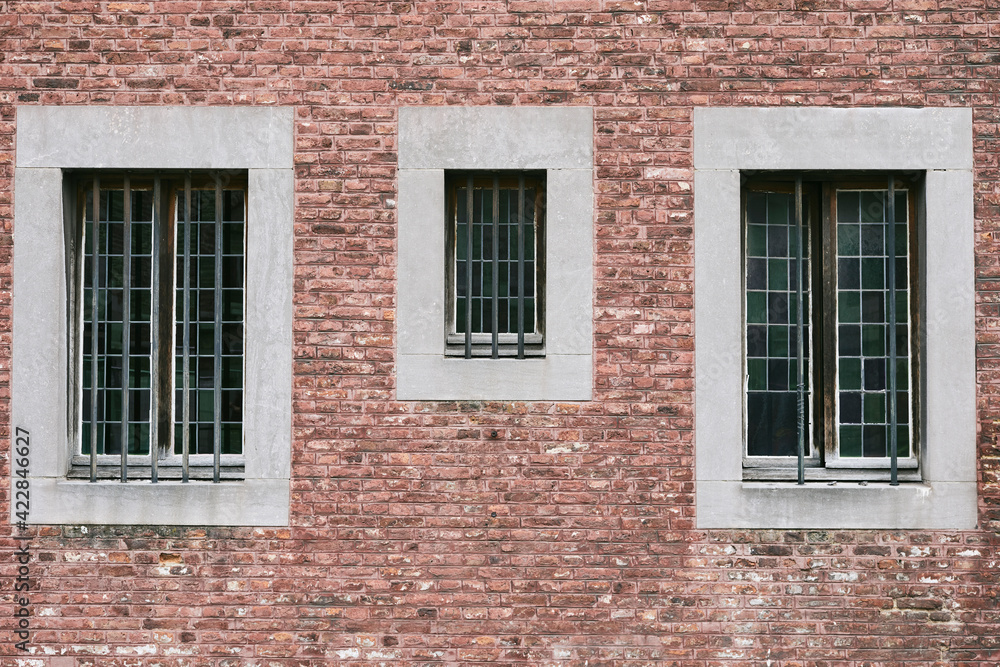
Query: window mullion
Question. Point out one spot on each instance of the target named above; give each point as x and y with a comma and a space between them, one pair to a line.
799, 351
520, 266
94, 319
154, 333
495, 301
217, 384
890, 276
186, 335
828, 336
468, 267
126, 317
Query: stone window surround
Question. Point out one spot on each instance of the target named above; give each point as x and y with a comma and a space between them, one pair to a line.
435, 139
937, 141
50, 139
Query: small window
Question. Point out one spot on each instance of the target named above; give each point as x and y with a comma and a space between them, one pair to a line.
830, 347
160, 303
495, 270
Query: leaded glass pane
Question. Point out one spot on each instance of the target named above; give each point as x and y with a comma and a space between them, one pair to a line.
108, 324
863, 261
771, 334
205, 296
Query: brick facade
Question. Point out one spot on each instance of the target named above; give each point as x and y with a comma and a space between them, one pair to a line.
427, 533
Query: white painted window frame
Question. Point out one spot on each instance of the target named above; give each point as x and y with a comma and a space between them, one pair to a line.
51, 139
433, 140
936, 141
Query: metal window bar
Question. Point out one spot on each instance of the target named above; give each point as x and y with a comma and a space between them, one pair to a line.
126, 319
217, 431
890, 243
799, 335
186, 346
154, 334
520, 266
95, 322
468, 266
495, 287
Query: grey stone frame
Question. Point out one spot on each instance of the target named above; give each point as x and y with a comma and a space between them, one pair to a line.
50, 139
434, 139
937, 141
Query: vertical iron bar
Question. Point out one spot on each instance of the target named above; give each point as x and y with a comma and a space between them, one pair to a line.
186, 347
520, 266
154, 337
890, 276
496, 268
468, 269
126, 314
94, 322
799, 334
217, 430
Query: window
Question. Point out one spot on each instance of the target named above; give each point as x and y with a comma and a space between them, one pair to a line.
439, 149
174, 243
747, 162
60, 151
494, 239
819, 378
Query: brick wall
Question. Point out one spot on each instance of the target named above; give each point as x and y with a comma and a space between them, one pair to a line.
418, 536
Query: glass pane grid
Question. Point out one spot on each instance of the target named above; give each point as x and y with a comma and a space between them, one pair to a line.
863, 331
109, 324
484, 283
201, 309
771, 325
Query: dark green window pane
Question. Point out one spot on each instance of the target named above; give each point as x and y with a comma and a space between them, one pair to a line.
872, 206
847, 206
777, 343
872, 240
777, 374
757, 241
779, 208
874, 408
849, 273
778, 308
873, 340
772, 424
902, 374
849, 340
756, 274
902, 441
757, 374
777, 241
874, 374
232, 438
850, 374
757, 208
874, 437
850, 407
872, 273
777, 274
757, 307
850, 441
849, 307
848, 240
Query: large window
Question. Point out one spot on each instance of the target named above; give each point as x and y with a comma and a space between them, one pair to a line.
162, 300
830, 303
193, 220
749, 164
